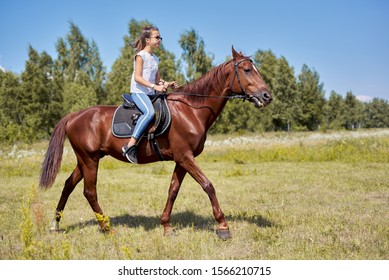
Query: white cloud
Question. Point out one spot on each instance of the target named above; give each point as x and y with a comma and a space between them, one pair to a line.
364, 98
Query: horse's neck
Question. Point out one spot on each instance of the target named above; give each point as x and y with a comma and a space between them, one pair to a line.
214, 105
210, 92
219, 104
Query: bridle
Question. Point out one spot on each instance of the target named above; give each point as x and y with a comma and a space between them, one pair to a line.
245, 96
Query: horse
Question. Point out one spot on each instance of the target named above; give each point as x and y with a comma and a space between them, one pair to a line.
194, 107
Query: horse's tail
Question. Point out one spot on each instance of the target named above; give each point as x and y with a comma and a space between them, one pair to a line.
53, 157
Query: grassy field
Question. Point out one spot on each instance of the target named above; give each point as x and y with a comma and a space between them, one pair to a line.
285, 196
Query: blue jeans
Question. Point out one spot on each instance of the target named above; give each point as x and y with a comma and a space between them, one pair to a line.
144, 104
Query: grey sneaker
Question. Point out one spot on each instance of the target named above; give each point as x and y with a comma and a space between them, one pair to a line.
130, 153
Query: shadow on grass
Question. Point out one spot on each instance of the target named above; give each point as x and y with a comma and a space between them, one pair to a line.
178, 220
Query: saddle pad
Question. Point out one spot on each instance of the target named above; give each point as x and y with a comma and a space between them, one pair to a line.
121, 122
125, 118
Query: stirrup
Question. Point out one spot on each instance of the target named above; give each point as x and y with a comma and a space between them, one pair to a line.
125, 150
130, 153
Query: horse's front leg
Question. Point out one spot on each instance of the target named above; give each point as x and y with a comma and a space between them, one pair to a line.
194, 170
177, 178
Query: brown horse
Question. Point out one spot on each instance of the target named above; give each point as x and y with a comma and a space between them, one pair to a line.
194, 108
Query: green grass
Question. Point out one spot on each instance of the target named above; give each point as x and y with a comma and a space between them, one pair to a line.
285, 196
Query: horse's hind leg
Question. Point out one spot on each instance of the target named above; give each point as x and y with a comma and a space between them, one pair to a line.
70, 184
90, 180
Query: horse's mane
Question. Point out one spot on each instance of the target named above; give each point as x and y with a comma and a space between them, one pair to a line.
203, 86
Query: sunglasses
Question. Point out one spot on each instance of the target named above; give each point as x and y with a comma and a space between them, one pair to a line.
157, 37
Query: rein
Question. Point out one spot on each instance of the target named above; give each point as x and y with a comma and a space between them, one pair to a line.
208, 96
246, 96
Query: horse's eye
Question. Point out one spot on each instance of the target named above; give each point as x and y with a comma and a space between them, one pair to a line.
247, 70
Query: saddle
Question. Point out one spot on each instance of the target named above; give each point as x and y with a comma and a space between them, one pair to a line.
127, 115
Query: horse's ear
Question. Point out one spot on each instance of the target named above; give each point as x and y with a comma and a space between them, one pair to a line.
235, 54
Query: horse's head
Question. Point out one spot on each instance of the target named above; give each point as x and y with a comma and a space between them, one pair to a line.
247, 81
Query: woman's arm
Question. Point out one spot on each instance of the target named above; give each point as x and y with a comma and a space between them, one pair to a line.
139, 78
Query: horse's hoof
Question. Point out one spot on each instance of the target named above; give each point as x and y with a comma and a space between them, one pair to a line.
56, 230
169, 232
108, 230
223, 234
54, 227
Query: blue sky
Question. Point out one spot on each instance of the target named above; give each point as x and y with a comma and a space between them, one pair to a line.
346, 42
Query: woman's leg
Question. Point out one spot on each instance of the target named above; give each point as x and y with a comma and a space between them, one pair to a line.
144, 104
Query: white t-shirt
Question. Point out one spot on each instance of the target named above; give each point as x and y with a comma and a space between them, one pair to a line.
150, 68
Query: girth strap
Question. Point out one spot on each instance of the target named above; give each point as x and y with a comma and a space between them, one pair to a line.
155, 146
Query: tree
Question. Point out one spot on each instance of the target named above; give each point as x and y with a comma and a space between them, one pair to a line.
10, 114
118, 81
333, 111
169, 68
284, 94
78, 97
79, 62
309, 100
96, 72
352, 114
237, 116
197, 61
376, 113
40, 103
267, 64
61, 63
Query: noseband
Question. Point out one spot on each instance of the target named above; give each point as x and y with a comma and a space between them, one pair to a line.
246, 96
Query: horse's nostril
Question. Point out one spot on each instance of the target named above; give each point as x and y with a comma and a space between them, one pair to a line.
266, 96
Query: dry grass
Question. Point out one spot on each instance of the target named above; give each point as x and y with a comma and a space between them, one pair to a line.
296, 199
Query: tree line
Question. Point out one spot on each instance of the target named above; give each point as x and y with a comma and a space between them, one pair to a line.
31, 103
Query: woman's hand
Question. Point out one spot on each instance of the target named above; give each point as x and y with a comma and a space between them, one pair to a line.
163, 85
173, 84
160, 87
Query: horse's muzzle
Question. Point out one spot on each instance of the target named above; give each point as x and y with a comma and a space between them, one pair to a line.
261, 99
